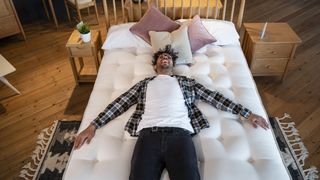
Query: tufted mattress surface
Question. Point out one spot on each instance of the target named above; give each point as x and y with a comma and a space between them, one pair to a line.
229, 150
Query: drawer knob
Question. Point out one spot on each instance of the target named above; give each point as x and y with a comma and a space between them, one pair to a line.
267, 66
274, 52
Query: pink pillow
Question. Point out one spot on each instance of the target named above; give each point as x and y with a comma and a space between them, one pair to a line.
198, 34
153, 20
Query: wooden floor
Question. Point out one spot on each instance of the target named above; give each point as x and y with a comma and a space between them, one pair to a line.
49, 92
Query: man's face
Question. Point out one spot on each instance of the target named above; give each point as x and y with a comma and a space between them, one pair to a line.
164, 61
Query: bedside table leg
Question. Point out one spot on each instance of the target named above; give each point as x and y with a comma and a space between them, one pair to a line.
291, 57
74, 70
101, 54
96, 58
81, 63
2, 109
282, 77
99, 49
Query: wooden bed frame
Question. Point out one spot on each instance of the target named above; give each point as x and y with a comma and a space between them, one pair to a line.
213, 9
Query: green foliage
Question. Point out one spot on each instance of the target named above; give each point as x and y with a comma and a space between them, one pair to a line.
83, 28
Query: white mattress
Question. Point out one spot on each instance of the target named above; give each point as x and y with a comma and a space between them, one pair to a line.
228, 150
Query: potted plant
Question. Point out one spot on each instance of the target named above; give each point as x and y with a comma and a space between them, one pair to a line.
84, 31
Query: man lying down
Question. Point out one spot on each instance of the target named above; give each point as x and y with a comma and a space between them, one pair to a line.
165, 119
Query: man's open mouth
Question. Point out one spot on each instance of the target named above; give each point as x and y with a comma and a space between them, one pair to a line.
165, 61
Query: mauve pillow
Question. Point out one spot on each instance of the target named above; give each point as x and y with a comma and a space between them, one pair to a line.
198, 34
153, 20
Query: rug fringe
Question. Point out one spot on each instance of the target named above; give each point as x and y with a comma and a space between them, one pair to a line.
311, 173
300, 152
29, 170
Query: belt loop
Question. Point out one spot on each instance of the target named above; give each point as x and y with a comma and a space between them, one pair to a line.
154, 129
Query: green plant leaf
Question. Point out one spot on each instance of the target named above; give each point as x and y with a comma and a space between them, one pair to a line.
83, 28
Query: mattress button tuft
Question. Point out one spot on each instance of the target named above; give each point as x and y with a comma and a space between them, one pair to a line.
220, 138
250, 160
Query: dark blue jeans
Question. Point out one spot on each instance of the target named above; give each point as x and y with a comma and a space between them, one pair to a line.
158, 148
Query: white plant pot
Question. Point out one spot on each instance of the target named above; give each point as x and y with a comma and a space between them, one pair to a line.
86, 37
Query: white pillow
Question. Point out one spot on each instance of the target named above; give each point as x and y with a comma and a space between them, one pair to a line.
179, 41
119, 36
223, 31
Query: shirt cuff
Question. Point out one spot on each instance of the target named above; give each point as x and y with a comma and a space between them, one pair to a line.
245, 113
95, 124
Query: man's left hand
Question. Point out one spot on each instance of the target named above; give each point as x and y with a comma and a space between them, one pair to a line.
257, 120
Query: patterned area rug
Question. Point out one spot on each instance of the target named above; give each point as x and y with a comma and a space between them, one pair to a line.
292, 149
51, 155
55, 144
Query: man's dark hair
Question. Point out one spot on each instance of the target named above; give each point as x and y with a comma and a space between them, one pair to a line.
168, 50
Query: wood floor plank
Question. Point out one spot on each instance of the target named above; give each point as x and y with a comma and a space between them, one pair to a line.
37, 101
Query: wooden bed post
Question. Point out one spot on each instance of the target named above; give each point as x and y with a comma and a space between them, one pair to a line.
123, 14
140, 9
224, 9
208, 5
174, 10
216, 11
240, 16
190, 7
115, 12
232, 10
106, 13
182, 9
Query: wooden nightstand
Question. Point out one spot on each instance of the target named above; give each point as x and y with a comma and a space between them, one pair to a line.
269, 56
78, 50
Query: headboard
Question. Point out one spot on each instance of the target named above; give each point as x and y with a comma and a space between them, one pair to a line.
122, 11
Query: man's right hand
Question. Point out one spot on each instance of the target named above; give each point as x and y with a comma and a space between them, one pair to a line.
85, 136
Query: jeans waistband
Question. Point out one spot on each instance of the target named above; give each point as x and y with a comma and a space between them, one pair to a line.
157, 129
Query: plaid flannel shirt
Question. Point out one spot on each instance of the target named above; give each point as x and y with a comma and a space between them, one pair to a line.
191, 91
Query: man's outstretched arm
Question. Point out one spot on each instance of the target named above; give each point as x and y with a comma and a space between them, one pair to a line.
113, 110
220, 102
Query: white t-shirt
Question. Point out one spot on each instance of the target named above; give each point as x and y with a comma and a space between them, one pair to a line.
165, 105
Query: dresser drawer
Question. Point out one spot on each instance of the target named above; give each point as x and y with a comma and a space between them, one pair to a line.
81, 51
273, 50
8, 26
269, 66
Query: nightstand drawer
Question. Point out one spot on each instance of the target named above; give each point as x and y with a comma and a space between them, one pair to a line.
82, 51
266, 66
273, 50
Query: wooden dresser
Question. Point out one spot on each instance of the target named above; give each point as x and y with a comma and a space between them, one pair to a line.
9, 20
269, 56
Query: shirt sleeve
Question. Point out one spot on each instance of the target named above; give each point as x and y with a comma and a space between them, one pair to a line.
118, 106
220, 102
